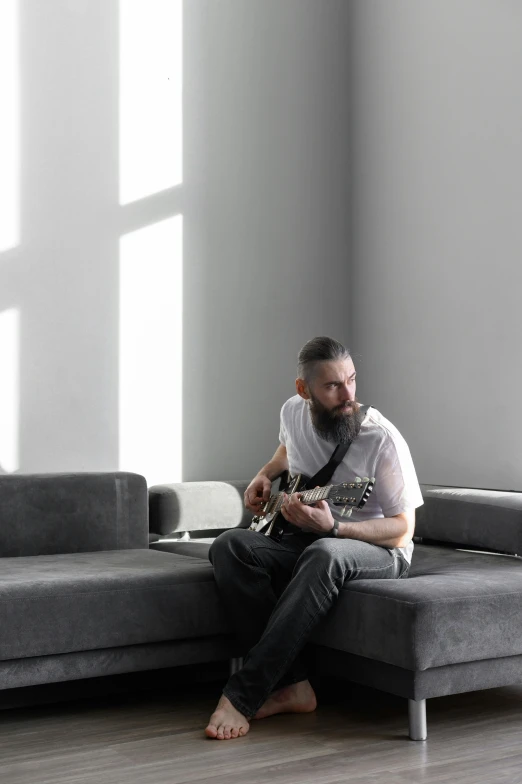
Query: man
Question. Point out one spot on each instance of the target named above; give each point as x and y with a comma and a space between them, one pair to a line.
276, 592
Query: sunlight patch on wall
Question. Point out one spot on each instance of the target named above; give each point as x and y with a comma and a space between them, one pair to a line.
150, 373
9, 388
9, 126
150, 97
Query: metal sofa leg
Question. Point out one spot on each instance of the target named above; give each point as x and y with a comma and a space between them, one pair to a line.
417, 719
235, 664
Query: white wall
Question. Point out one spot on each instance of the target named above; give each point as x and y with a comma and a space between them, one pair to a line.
436, 145
266, 225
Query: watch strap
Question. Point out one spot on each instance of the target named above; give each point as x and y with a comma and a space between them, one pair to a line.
335, 530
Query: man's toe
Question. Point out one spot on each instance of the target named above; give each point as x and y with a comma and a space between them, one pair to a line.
211, 731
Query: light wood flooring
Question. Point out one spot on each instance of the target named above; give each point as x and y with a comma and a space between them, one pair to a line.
357, 735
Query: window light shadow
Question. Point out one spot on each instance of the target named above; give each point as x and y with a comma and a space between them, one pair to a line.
9, 126
150, 47
9, 389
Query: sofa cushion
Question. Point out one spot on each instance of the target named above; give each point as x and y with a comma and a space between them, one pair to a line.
488, 519
453, 607
83, 601
194, 548
42, 514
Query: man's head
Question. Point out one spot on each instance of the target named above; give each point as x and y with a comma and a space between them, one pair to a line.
326, 379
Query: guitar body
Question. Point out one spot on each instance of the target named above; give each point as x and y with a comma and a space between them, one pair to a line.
288, 485
271, 521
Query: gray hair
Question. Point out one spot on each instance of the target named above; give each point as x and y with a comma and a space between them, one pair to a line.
322, 349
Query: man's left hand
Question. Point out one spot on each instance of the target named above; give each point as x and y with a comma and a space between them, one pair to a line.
316, 519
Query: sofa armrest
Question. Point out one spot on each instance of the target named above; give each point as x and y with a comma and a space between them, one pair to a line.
49, 514
197, 506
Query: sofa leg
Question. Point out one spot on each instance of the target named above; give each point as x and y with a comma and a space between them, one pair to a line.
235, 665
417, 719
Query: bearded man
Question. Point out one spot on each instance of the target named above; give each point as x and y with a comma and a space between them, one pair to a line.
277, 592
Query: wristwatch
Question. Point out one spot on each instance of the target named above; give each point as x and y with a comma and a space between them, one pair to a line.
335, 530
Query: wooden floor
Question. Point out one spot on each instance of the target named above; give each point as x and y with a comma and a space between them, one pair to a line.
356, 735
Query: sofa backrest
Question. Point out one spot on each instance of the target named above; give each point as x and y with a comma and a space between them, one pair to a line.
488, 519
44, 514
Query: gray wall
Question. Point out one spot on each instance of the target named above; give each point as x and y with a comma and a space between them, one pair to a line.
436, 146
266, 229
266, 216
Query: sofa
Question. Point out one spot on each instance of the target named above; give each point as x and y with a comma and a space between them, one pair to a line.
454, 625
100, 576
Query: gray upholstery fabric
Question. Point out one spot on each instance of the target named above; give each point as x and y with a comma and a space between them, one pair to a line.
192, 549
81, 601
86, 597
468, 676
71, 513
454, 607
435, 682
192, 506
490, 519
112, 661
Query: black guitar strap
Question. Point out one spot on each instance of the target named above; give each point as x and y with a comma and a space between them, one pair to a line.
323, 476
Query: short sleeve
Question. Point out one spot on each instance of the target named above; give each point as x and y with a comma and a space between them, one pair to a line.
283, 434
396, 484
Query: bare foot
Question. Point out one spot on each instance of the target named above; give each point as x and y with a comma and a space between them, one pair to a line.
297, 698
226, 722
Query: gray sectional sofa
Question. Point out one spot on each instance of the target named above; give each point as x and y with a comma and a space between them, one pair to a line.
101, 576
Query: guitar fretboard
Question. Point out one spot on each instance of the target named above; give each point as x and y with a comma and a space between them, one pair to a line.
318, 494
306, 497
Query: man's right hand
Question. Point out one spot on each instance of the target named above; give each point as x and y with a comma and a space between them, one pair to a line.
258, 493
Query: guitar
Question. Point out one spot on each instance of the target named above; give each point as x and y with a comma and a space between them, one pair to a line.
347, 494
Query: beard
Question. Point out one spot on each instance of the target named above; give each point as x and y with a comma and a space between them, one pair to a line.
339, 425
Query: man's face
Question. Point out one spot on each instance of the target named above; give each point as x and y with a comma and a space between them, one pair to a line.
334, 409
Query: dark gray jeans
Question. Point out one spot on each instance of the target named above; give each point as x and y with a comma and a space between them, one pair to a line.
276, 592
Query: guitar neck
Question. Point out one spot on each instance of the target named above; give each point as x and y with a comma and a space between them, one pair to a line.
318, 494
306, 497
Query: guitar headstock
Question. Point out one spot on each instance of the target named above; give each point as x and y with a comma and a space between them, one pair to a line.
352, 494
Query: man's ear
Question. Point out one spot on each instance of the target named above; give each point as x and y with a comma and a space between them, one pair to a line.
302, 388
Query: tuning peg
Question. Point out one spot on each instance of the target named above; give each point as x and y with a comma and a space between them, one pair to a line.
346, 511
358, 479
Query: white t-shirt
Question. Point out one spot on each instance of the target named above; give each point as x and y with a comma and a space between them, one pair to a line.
379, 451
